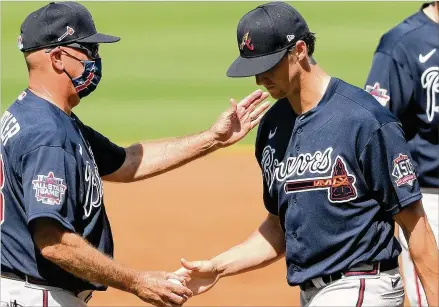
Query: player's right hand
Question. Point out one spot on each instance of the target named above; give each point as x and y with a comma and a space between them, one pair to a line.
199, 276
156, 289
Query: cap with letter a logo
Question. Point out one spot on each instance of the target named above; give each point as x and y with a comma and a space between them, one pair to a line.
264, 35
60, 23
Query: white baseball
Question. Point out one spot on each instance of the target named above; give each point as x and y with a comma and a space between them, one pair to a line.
175, 281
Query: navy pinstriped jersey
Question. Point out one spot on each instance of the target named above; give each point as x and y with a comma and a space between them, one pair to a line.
53, 165
405, 78
335, 176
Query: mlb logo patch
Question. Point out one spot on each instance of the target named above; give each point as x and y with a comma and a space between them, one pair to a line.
380, 94
49, 189
22, 95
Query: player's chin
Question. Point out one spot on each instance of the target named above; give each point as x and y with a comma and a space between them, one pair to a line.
276, 93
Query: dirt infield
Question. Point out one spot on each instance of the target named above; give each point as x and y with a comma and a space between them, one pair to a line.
196, 211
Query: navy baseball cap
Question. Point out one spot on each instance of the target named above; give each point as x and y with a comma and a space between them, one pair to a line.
60, 23
264, 35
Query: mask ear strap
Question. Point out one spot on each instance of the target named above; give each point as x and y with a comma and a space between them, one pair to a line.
68, 74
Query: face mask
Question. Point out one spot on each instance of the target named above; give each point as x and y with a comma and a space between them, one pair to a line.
88, 81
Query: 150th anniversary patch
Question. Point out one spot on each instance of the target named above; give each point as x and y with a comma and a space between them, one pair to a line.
403, 170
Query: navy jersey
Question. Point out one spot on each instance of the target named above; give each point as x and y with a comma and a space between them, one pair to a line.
335, 176
405, 78
53, 165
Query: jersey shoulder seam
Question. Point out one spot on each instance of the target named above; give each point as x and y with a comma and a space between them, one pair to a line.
396, 62
373, 134
338, 93
39, 146
380, 125
389, 51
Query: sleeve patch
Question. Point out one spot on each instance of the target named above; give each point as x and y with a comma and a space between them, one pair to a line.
380, 94
403, 170
49, 189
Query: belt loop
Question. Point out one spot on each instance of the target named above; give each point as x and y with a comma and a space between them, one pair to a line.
26, 279
318, 282
379, 268
88, 297
322, 283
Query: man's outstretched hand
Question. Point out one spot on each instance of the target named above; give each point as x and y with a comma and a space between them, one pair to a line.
240, 118
199, 276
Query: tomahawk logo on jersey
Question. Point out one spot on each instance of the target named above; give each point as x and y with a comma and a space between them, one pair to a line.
340, 184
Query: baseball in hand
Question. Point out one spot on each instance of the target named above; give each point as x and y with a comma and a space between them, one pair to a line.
174, 281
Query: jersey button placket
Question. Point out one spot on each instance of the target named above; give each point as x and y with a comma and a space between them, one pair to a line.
298, 132
293, 202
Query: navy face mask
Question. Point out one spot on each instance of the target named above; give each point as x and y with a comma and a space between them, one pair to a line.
92, 74
89, 79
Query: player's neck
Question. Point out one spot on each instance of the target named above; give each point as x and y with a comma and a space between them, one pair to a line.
432, 11
311, 88
56, 93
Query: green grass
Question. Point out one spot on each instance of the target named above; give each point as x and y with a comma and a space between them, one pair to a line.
166, 77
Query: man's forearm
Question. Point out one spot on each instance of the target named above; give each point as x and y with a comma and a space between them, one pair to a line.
248, 256
76, 256
262, 248
422, 247
148, 159
424, 253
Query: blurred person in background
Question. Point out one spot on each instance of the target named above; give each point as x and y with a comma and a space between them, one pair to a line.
404, 78
56, 240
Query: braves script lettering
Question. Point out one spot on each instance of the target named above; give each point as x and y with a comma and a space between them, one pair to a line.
93, 198
430, 82
317, 162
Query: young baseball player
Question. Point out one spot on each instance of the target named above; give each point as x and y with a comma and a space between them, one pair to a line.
56, 240
337, 173
404, 78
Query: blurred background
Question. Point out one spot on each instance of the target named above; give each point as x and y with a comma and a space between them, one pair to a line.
167, 74
166, 77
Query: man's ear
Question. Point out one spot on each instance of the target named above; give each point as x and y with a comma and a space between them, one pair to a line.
301, 50
55, 58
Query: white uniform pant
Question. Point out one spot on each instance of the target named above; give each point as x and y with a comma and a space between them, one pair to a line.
415, 292
15, 293
385, 289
